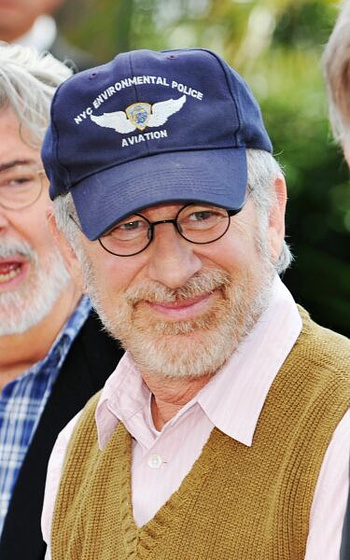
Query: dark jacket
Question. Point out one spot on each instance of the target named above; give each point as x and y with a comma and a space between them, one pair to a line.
345, 545
65, 52
91, 359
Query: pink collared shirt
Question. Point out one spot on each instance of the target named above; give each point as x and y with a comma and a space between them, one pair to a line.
231, 401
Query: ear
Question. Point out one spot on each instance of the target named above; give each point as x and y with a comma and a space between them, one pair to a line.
277, 219
347, 154
69, 256
51, 6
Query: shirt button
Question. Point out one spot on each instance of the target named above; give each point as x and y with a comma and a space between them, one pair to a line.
154, 461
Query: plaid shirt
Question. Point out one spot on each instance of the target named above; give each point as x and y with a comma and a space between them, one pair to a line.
23, 400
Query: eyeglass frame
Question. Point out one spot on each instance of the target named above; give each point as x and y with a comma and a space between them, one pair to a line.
230, 213
38, 170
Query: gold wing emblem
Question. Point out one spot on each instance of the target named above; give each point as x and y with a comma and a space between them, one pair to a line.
140, 115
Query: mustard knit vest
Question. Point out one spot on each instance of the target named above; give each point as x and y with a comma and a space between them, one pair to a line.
237, 502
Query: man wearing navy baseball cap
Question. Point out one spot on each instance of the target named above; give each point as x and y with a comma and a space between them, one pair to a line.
223, 431
336, 63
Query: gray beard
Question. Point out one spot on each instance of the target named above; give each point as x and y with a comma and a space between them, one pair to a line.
31, 302
166, 349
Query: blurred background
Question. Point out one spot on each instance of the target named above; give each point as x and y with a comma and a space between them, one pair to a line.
276, 45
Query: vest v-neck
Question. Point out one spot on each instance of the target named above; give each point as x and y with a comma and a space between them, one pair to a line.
150, 533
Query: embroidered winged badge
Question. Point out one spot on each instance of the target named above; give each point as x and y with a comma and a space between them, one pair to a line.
140, 115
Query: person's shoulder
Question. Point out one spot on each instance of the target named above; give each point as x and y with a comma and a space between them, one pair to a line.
74, 57
323, 344
93, 331
93, 355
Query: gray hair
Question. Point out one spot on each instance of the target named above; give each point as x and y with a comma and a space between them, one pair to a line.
263, 169
336, 69
28, 81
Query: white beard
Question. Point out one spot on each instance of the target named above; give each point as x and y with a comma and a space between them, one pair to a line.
28, 304
190, 348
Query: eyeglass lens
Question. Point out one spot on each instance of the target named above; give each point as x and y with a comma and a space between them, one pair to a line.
20, 186
196, 223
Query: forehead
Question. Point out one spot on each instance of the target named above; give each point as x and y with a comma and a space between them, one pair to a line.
166, 209
32, 7
162, 208
15, 142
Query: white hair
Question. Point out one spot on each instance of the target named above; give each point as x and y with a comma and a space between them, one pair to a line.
336, 69
263, 169
28, 81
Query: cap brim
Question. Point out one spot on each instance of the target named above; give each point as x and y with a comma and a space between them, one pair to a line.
216, 177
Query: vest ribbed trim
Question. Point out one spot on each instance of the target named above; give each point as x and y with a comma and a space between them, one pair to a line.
237, 502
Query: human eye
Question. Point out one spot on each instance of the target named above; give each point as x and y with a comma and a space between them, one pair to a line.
130, 226
203, 217
129, 229
17, 178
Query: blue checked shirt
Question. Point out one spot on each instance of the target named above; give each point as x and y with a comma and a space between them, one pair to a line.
23, 400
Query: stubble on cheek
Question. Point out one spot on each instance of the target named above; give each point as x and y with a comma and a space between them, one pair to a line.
211, 285
187, 348
144, 319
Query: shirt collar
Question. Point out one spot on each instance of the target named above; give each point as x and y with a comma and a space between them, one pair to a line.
235, 396
59, 349
42, 34
124, 396
233, 399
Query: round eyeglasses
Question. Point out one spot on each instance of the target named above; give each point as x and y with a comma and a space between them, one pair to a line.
20, 186
197, 223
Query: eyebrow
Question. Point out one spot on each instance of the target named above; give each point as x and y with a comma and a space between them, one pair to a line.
13, 163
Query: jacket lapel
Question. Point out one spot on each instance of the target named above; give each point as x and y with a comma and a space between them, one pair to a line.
91, 359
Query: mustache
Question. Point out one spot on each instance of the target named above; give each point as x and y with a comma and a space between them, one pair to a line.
200, 284
12, 247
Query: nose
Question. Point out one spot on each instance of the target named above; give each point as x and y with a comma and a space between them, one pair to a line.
4, 222
173, 260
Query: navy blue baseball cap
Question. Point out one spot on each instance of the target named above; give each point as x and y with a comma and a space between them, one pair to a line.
150, 128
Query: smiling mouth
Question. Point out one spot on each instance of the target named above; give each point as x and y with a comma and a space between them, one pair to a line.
9, 271
183, 303
182, 309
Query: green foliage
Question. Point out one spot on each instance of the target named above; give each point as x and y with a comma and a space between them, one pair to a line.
276, 45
